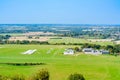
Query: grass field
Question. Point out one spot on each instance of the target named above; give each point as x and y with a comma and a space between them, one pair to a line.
78, 40
102, 67
12, 34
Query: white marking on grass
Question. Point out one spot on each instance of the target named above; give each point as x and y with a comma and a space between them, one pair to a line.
57, 51
49, 51
29, 51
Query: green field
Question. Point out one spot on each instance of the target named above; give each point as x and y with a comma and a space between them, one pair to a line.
12, 34
102, 67
77, 40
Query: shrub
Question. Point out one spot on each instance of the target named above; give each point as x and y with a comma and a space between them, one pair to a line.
17, 77
42, 74
77, 49
3, 77
76, 76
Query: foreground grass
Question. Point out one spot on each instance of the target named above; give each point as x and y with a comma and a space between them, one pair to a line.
103, 67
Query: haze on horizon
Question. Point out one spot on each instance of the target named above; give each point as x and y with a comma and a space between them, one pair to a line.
59, 11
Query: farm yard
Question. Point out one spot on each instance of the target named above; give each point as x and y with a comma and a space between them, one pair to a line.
101, 67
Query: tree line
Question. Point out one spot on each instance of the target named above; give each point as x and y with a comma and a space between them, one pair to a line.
23, 42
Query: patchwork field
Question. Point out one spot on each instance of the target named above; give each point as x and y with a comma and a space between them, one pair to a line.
102, 67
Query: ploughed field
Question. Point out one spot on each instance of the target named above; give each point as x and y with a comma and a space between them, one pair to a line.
50, 57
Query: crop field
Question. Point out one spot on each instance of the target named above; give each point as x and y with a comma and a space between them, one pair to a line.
101, 67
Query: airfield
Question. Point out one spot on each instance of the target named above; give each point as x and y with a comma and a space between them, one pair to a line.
101, 67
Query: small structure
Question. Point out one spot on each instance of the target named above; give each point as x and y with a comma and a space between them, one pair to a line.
104, 51
91, 51
94, 52
68, 52
88, 50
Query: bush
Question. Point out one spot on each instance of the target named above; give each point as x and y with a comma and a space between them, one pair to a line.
41, 75
76, 76
4, 78
17, 77
77, 49
1, 77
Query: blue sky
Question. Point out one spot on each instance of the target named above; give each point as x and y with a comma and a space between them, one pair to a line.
60, 11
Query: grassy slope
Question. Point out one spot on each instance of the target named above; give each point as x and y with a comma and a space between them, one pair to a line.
102, 67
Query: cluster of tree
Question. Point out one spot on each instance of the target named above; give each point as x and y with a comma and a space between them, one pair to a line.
42, 74
4, 37
66, 43
23, 42
95, 46
114, 49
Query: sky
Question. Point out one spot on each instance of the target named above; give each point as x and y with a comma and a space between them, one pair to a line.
59, 11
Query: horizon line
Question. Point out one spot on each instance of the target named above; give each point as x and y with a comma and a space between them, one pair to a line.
61, 23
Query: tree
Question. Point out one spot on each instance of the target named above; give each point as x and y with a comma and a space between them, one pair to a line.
76, 76
117, 48
77, 49
25, 42
29, 37
109, 47
96, 46
42, 74
18, 42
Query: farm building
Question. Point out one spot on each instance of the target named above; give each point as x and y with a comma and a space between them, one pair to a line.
88, 50
68, 52
94, 52
104, 51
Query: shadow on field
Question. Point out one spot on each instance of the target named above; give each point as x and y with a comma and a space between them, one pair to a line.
24, 64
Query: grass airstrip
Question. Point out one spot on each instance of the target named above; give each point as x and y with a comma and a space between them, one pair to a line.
101, 67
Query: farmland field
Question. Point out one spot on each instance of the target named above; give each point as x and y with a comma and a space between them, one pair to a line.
102, 67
